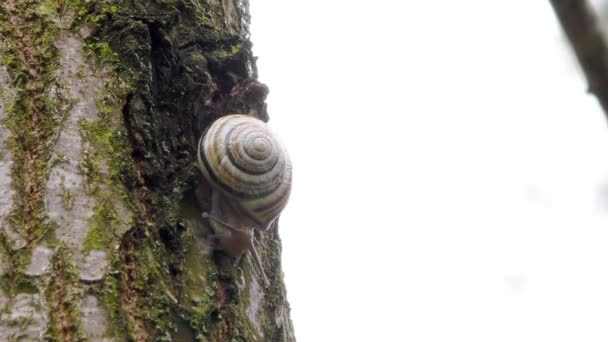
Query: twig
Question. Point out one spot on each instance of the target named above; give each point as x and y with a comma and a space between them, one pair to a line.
580, 23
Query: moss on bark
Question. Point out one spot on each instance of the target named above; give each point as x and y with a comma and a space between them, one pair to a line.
171, 67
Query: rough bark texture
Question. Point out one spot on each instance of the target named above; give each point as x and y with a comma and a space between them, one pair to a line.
101, 106
587, 39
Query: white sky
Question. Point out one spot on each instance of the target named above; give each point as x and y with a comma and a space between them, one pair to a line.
449, 171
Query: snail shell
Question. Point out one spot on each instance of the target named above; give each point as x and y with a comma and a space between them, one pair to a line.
242, 158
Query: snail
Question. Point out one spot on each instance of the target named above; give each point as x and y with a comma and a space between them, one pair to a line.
250, 176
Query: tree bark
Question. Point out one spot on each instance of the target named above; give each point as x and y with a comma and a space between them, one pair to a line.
101, 238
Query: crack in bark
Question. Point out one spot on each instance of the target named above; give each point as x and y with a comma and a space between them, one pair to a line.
33, 152
63, 296
62, 317
223, 325
130, 298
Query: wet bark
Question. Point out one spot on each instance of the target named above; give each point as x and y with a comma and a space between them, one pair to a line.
101, 238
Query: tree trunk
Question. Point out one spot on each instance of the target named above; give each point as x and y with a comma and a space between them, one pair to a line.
101, 106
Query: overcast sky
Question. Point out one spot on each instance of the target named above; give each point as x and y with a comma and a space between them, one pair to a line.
450, 172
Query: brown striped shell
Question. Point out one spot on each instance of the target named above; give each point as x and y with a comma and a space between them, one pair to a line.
242, 158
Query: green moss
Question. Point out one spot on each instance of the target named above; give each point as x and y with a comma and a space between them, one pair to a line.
103, 225
22, 323
96, 239
50, 234
102, 53
90, 168
17, 280
36, 111
112, 299
94, 14
229, 51
58, 159
63, 296
82, 73
105, 143
158, 271
24, 284
199, 302
66, 196
160, 311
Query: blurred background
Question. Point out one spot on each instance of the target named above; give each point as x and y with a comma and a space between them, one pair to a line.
450, 171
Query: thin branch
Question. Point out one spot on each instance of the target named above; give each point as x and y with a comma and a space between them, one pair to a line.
583, 30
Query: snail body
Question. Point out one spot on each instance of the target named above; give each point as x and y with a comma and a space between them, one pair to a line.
250, 175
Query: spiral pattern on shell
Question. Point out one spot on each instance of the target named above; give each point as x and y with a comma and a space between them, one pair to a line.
242, 158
